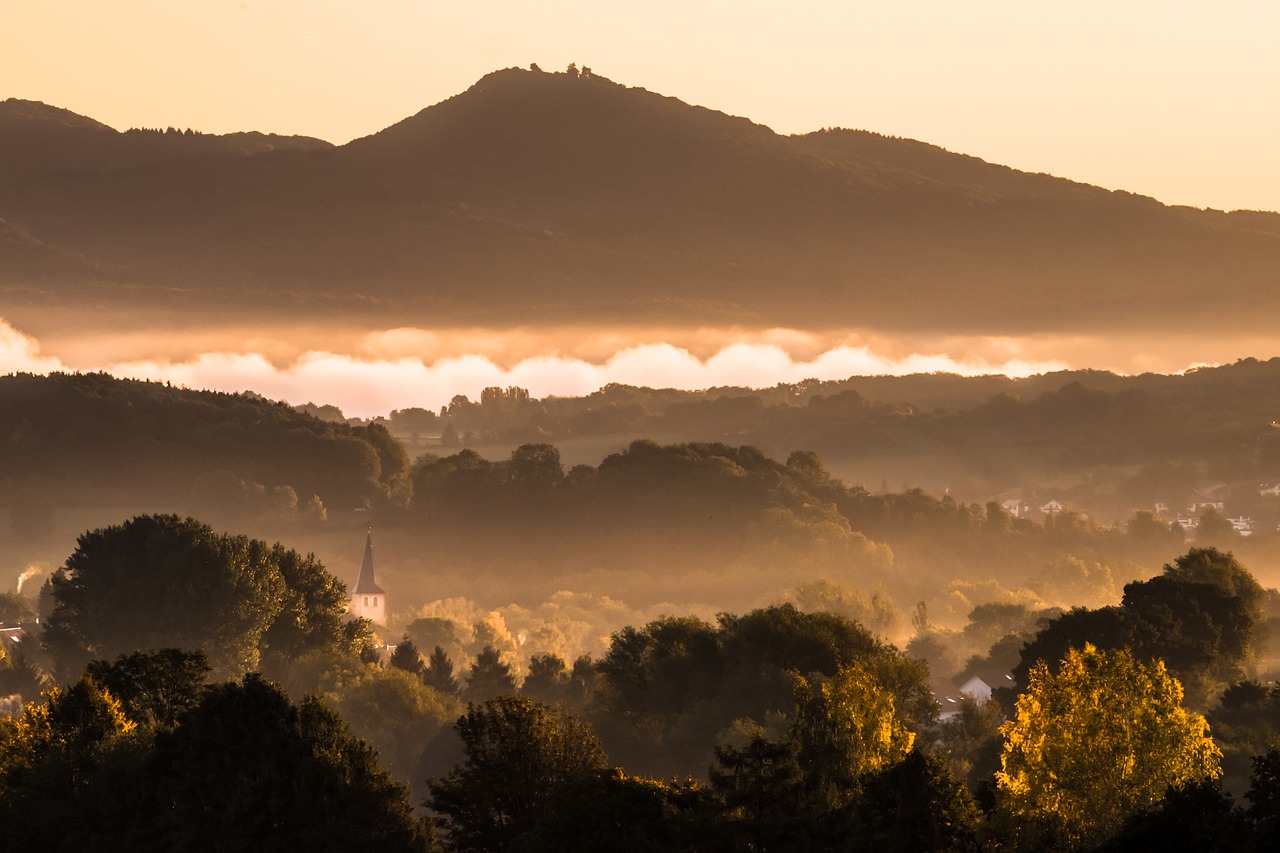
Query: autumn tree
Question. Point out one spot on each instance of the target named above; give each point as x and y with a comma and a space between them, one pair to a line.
1092, 744
844, 727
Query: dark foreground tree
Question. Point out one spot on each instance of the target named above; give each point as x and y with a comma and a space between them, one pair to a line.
625, 814
1264, 794
1197, 817
159, 581
517, 753
247, 770
1201, 617
244, 770
154, 688
916, 805
666, 691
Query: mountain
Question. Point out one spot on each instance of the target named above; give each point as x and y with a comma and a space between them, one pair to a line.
537, 197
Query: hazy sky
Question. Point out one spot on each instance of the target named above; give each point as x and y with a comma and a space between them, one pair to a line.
1177, 100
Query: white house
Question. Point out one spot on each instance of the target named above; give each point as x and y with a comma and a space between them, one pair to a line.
1016, 508
976, 688
1242, 525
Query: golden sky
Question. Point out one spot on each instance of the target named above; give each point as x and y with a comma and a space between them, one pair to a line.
1177, 100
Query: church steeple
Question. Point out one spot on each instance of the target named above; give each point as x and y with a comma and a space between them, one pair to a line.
365, 583
368, 600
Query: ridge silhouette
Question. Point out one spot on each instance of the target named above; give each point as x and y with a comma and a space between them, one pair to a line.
555, 197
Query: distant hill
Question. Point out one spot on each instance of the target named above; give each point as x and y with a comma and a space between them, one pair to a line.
537, 197
83, 439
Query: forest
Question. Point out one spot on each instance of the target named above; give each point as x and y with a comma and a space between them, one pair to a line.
192, 689
691, 645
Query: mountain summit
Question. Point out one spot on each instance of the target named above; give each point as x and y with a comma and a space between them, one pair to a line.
559, 197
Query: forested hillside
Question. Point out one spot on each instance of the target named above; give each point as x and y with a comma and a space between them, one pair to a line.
750, 513
85, 439
566, 197
1105, 444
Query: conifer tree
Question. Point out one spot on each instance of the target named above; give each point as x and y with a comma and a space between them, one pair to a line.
439, 673
406, 657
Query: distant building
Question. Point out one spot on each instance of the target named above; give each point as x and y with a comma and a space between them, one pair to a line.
1016, 508
1242, 525
1052, 507
1269, 490
368, 600
976, 688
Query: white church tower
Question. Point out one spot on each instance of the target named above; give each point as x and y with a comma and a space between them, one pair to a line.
368, 600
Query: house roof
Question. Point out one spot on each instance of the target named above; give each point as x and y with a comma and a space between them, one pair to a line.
365, 583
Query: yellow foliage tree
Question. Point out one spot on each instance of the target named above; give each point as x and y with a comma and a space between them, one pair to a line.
1095, 743
844, 728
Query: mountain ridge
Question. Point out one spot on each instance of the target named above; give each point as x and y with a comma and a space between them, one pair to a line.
536, 196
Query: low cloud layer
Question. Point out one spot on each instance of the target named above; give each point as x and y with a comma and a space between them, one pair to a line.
371, 373
383, 377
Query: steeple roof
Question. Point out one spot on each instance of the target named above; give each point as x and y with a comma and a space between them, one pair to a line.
365, 584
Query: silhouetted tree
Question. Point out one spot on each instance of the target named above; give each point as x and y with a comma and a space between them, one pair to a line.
517, 753
1197, 816
548, 679
154, 688
489, 677
916, 805
406, 657
439, 674
161, 581
247, 770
